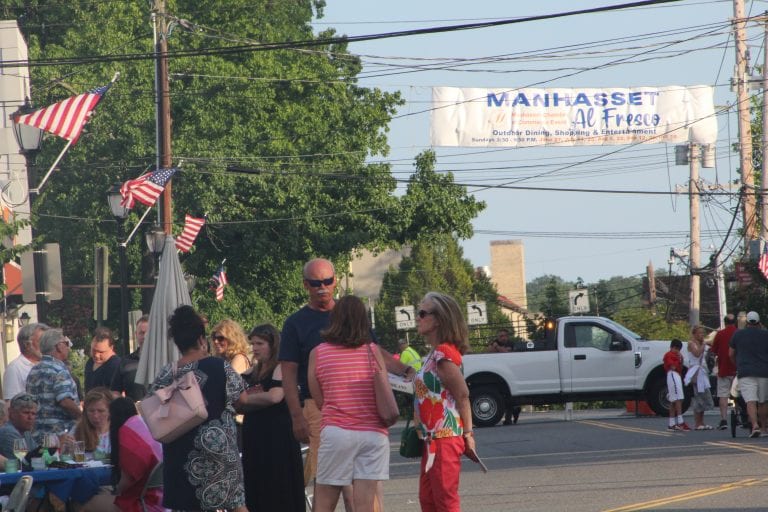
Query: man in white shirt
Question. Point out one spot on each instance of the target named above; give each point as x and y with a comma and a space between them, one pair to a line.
15, 376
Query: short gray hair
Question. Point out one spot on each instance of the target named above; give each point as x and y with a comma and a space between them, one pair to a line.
49, 339
25, 334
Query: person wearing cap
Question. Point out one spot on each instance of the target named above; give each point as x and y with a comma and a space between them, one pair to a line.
749, 350
22, 413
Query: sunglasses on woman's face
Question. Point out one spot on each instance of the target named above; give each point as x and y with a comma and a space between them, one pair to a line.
317, 283
423, 313
219, 338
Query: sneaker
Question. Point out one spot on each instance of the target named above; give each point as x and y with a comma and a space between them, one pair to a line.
673, 427
507, 422
755, 433
723, 425
684, 427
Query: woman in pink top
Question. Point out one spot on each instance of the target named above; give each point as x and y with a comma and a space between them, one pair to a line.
134, 454
354, 442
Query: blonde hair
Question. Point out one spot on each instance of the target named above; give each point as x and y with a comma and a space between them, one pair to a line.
451, 326
238, 343
84, 430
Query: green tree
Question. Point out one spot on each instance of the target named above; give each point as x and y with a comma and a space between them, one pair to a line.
293, 123
650, 326
435, 263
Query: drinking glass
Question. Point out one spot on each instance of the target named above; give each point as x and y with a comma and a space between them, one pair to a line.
20, 449
51, 443
67, 451
79, 451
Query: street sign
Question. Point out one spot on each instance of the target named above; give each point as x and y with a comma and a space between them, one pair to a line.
477, 314
578, 301
405, 318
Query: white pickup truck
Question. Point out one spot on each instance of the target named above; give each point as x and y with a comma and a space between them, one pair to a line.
581, 359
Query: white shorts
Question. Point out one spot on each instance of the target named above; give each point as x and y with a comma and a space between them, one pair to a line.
347, 455
754, 389
675, 389
724, 386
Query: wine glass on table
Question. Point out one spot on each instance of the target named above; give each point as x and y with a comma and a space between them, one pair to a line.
20, 449
51, 444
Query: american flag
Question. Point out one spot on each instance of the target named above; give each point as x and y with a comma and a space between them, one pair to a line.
192, 226
220, 280
763, 263
67, 117
146, 188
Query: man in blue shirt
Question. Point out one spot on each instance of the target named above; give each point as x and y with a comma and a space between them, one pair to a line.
52, 384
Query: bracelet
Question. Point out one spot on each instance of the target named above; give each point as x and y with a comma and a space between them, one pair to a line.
468, 433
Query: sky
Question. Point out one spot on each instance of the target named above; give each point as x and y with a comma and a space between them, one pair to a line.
589, 235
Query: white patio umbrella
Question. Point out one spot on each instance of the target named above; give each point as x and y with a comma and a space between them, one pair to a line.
170, 292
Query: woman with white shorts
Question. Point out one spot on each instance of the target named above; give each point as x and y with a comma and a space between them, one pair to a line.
354, 442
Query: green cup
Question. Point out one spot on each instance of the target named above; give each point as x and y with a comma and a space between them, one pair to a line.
11, 466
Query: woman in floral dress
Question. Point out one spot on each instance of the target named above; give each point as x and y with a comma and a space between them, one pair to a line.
201, 469
442, 409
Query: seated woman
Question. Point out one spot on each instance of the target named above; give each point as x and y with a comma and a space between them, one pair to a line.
134, 454
93, 427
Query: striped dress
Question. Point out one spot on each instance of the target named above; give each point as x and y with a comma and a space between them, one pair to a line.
346, 379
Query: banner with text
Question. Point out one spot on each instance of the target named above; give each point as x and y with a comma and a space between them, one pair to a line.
572, 117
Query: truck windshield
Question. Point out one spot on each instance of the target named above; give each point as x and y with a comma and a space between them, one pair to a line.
626, 332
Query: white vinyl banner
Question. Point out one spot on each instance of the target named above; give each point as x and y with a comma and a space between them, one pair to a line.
572, 117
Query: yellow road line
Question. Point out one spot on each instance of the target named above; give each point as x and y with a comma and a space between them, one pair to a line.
643, 505
602, 424
739, 446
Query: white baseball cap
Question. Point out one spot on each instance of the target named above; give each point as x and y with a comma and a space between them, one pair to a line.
753, 317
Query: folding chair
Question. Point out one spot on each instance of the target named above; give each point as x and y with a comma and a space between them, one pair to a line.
17, 502
155, 481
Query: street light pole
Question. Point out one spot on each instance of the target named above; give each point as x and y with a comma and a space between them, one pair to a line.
120, 213
29, 139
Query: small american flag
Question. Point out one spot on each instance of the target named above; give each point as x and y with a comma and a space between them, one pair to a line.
220, 280
763, 263
146, 188
67, 117
192, 226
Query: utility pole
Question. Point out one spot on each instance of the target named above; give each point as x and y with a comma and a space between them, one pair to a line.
720, 275
163, 110
764, 177
695, 261
745, 131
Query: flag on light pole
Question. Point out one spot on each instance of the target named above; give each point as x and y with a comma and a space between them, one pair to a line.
146, 188
192, 226
220, 281
67, 117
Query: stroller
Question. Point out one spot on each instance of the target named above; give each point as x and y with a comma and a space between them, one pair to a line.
738, 409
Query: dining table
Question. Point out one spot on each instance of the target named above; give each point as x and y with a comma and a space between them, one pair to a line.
77, 484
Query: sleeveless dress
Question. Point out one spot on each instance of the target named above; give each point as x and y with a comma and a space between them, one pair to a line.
274, 476
201, 469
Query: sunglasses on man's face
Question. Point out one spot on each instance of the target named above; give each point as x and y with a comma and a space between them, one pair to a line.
317, 283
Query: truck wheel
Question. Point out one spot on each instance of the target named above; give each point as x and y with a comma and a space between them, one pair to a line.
487, 406
657, 398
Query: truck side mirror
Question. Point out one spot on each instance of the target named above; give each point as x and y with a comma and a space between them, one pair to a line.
619, 343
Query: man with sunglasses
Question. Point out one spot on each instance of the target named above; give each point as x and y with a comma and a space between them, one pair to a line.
22, 412
301, 333
53, 386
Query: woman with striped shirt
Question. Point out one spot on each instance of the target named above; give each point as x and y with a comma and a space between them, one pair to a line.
354, 442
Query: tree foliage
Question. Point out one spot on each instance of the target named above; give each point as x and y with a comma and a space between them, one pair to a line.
434, 264
293, 123
650, 326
